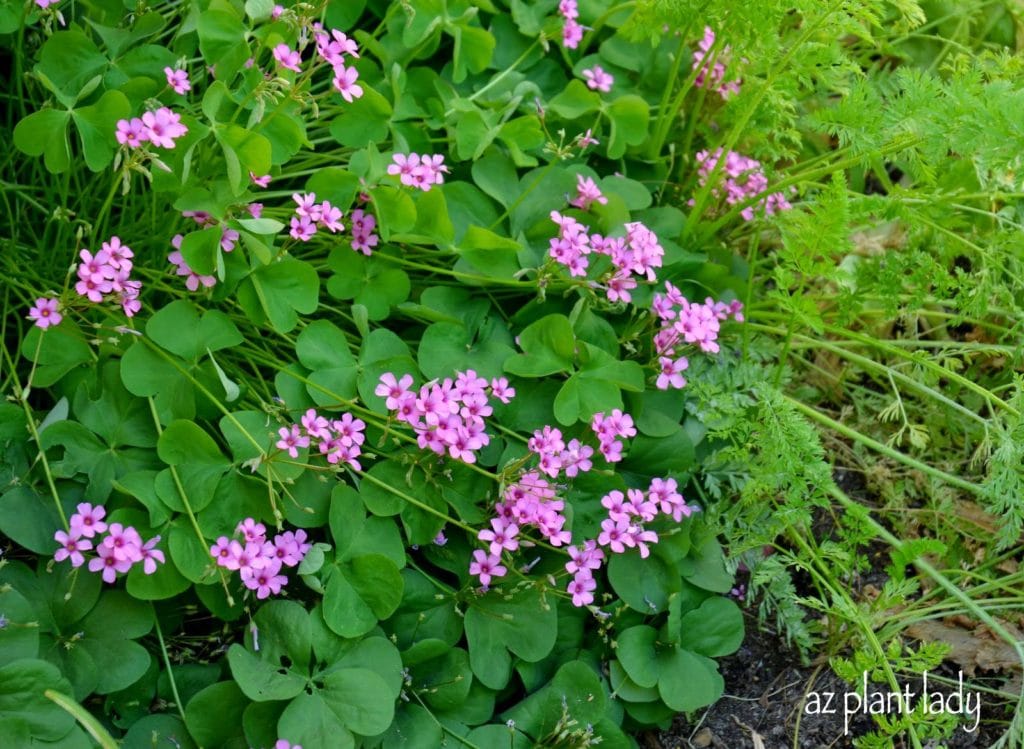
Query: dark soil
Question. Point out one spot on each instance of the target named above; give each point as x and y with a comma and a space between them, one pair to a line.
765, 689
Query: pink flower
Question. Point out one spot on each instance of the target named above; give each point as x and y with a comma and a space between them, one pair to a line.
71, 546
255, 209
45, 313
93, 290
598, 79
587, 192
151, 556
363, 237
108, 563
283, 743
486, 567
223, 553
163, 126
178, 80
259, 181
330, 217
392, 389
500, 389
345, 83
253, 531
88, 521
119, 255
287, 57
131, 133
502, 537
302, 228
276, 12
264, 580
228, 238
124, 543
581, 588
292, 440
670, 375
587, 140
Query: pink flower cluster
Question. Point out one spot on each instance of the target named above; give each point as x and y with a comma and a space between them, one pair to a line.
684, 322
331, 48
609, 430
555, 456
419, 171
598, 79
639, 253
117, 552
364, 235
309, 215
160, 127
713, 76
742, 179
623, 529
531, 500
572, 32
447, 416
45, 312
192, 279
257, 560
339, 440
108, 272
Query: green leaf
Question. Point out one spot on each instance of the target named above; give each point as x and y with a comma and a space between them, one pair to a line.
520, 135
159, 728
97, 124
579, 399
279, 292
372, 282
474, 132
688, 681
222, 40
335, 184
68, 62
489, 254
575, 101
495, 174
361, 592
323, 348
715, 629
635, 649
29, 519
199, 461
660, 456
262, 680
520, 622
45, 133
549, 346
214, 716
22, 683
643, 584
201, 248
20, 638
474, 48
179, 328
61, 349
363, 121
629, 116
394, 209
361, 699
309, 721
244, 151
449, 347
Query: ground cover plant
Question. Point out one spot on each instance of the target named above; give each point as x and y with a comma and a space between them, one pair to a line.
435, 373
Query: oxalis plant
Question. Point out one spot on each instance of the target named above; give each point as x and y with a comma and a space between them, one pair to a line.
375, 368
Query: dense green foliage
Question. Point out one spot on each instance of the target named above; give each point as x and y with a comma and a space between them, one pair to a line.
883, 309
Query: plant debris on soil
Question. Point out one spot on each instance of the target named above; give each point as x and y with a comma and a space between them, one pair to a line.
763, 707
